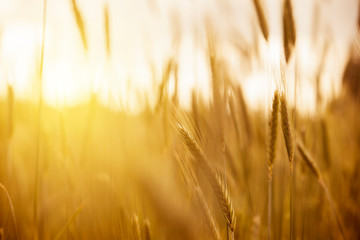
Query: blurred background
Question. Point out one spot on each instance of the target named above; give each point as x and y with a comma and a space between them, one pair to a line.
145, 34
158, 119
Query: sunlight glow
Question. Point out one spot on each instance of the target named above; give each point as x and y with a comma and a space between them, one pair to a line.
17, 63
129, 78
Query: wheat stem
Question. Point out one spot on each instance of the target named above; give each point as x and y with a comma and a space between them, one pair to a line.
11, 209
37, 154
316, 172
193, 185
107, 30
136, 227
147, 231
68, 223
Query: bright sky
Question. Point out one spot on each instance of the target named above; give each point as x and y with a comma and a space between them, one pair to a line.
142, 35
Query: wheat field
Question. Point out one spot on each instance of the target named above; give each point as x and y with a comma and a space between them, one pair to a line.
218, 168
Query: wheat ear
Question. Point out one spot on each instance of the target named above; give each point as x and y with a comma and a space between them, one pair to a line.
214, 178
261, 18
107, 29
80, 23
273, 126
285, 124
193, 186
286, 129
289, 34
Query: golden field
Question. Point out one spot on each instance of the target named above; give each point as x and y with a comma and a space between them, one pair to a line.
218, 169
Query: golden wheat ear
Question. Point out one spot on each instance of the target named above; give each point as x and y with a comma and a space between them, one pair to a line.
193, 186
286, 129
273, 128
289, 33
261, 18
80, 23
308, 159
214, 178
107, 29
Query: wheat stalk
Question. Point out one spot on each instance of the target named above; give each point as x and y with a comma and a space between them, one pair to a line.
273, 126
213, 177
69, 222
10, 126
107, 29
136, 227
168, 210
289, 34
164, 83
80, 24
233, 117
37, 151
193, 185
325, 142
175, 97
285, 124
261, 18
147, 231
255, 228
209, 219
244, 114
308, 159
316, 172
286, 129
11, 209
10, 97
195, 114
